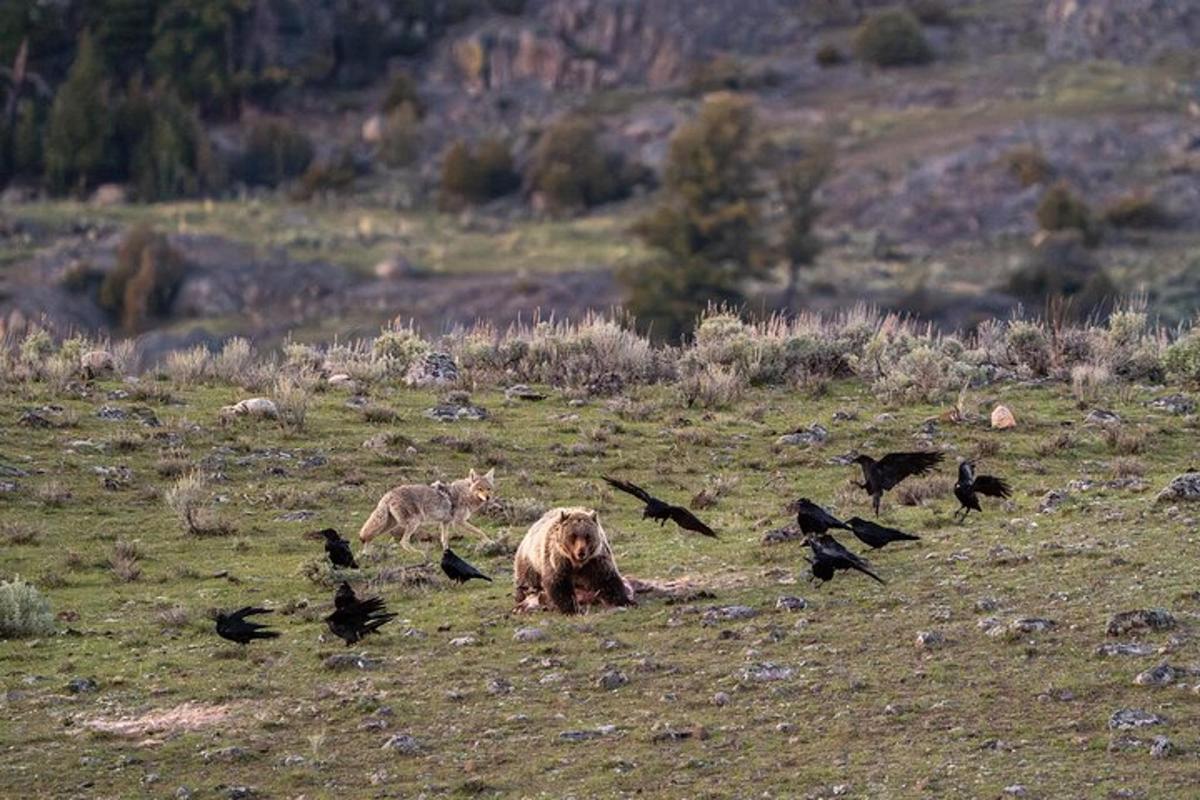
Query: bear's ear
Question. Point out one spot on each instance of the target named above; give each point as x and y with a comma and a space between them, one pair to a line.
562, 516
595, 515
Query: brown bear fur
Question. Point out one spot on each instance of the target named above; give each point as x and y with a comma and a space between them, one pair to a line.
564, 551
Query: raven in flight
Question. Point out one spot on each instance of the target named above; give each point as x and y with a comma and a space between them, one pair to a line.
829, 556
338, 549
657, 509
352, 618
814, 519
970, 486
236, 628
880, 476
877, 536
458, 570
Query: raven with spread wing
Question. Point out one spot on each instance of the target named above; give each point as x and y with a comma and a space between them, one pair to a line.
661, 511
829, 556
236, 628
352, 618
970, 486
882, 475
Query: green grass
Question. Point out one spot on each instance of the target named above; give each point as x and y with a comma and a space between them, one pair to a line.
358, 236
864, 707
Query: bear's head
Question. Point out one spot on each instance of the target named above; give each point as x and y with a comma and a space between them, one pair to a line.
579, 536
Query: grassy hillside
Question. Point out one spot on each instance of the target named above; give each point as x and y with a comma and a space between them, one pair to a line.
835, 699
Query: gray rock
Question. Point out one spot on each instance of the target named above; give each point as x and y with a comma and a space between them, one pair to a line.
241, 793
579, 736
1142, 619
1124, 649
1021, 626
83, 685
1127, 719
612, 679
1102, 417
402, 743
1175, 404
1016, 790
1052, 499
727, 613
522, 392
1162, 675
183, 793
111, 413
465, 641
813, 434
766, 672
930, 640
530, 634
1184, 487
226, 754
449, 412
788, 533
790, 603
721, 699
434, 369
295, 516
499, 686
1161, 747
339, 661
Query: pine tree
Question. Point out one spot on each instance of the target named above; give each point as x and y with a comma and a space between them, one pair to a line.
797, 184
705, 226
80, 123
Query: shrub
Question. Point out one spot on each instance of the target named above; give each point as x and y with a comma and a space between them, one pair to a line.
1062, 266
479, 175
23, 611
80, 123
829, 55
274, 152
1028, 165
188, 498
892, 38
1138, 212
291, 397
1182, 359
1088, 382
402, 93
159, 145
234, 361
924, 374
1029, 347
124, 561
144, 281
27, 138
713, 386
571, 171
1061, 210
333, 175
186, 367
401, 137
723, 72
397, 348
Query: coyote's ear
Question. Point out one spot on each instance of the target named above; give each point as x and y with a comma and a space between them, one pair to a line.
491, 474
471, 474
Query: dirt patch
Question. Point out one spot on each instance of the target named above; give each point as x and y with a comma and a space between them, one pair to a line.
184, 717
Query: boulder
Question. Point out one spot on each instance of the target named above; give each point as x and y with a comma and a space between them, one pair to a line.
432, 369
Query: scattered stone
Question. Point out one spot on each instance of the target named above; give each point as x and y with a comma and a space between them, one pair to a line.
1162, 675
1021, 626
339, 661
674, 735
294, 760
1127, 719
32, 419
522, 392
790, 603
612, 679
1161, 747
226, 754
986, 604
433, 369
499, 686
530, 634
1182, 487
83, 685
1016, 790
788, 533
844, 415
813, 434
727, 613
1052, 499
463, 641
1002, 418
766, 671
721, 699
930, 640
242, 793
1175, 404
579, 736
451, 412
1102, 417
402, 743
295, 516
1152, 619
1122, 649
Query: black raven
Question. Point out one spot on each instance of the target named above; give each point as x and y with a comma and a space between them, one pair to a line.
236, 628
877, 536
657, 509
457, 569
814, 519
829, 556
880, 476
352, 618
970, 486
338, 549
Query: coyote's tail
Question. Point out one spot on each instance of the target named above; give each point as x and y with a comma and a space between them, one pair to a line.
376, 524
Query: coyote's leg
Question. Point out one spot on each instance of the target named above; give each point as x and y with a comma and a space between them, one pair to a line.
477, 531
444, 533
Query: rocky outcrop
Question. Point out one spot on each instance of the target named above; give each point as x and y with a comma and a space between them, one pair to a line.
1133, 31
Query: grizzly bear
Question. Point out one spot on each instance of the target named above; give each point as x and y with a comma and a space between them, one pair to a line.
564, 551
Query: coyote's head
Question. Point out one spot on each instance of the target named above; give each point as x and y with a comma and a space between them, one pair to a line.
480, 487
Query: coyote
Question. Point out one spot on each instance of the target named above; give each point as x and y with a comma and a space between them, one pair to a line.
403, 510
